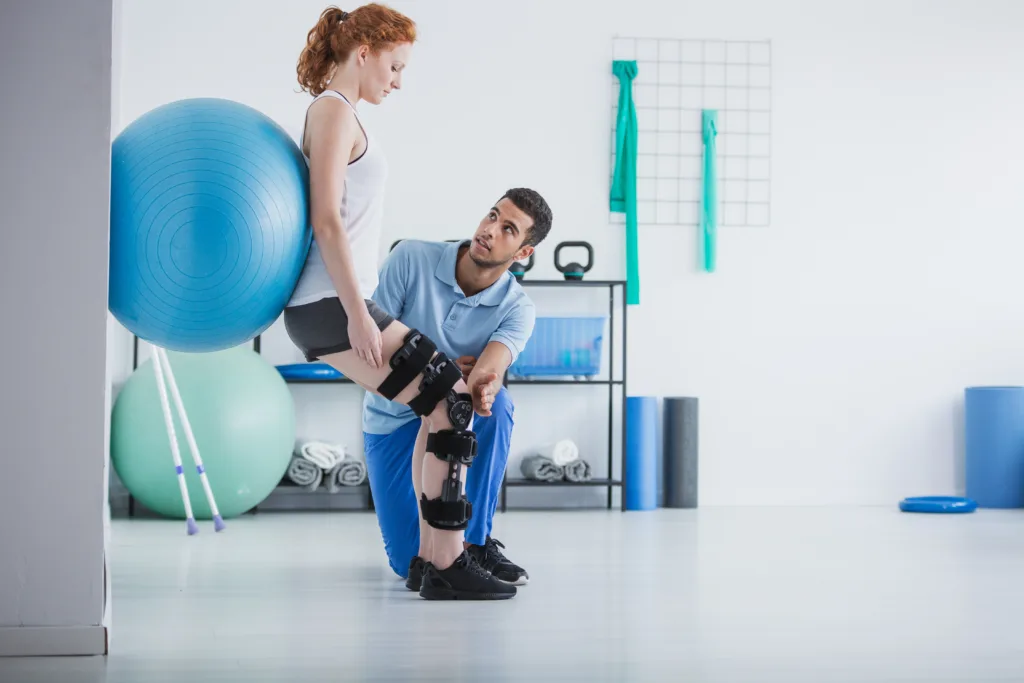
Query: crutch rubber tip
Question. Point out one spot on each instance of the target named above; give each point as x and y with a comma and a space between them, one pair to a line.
218, 523
193, 528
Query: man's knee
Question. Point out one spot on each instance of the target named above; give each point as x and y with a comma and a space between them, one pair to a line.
400, 530
400, 557
389, 470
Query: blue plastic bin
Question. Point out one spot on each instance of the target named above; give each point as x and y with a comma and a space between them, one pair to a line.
562, 346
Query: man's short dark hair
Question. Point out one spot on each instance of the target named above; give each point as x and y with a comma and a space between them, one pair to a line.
533, 205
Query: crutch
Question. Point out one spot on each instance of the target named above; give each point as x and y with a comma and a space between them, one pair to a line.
162, 367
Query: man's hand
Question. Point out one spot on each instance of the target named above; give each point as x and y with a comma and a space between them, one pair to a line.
466, 365
484, 387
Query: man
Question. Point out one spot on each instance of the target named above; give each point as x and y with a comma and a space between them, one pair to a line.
461, 296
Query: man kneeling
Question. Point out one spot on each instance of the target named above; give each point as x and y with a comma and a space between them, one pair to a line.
461, 296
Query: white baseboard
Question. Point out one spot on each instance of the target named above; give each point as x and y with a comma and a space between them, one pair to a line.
52, 641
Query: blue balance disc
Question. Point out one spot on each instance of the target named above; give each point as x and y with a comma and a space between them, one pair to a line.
938, 504
309, 371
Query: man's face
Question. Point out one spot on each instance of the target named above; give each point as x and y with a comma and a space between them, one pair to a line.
499, 239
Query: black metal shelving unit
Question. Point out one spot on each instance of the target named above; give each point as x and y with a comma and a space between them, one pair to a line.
612, 382
610, 482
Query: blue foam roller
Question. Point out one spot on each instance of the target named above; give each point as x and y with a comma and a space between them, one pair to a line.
994, 439
641, 453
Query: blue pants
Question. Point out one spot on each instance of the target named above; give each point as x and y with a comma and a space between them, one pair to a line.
389, 470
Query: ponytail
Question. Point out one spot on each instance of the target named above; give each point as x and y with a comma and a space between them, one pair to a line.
317, 59
336, 34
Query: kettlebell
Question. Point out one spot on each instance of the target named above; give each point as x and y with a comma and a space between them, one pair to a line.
574, 271
518, 269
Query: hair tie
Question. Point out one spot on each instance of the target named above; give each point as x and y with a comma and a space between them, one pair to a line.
344, 15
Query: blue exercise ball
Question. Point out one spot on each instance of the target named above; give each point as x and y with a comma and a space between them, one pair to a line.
209, 224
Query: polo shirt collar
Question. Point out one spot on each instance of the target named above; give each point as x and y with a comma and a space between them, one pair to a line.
445, 272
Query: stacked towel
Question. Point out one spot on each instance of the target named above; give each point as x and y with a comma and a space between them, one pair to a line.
578, 470
304, 473
560, 452
349, 472
317, 462
541, 467
324, 455
555, 462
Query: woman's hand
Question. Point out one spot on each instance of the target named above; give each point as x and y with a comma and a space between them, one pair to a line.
365, 337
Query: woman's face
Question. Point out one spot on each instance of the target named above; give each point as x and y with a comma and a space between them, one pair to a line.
382, 72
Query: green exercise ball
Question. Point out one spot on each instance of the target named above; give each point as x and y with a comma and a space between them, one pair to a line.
243, 419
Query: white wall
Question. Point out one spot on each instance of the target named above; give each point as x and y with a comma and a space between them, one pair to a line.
830, 350
54, 197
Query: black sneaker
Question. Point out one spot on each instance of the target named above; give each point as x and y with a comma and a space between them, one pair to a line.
491, 558
415, 574
464, 580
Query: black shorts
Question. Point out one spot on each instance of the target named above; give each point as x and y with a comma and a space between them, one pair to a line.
321, 327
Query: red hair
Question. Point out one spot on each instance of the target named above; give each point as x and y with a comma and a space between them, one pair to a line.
337, 33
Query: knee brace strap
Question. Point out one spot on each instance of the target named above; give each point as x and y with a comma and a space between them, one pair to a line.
451, 510
448, 445
408, 362
439, 377
446, 515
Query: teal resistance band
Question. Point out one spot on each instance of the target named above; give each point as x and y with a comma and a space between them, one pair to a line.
623, 194
709, 196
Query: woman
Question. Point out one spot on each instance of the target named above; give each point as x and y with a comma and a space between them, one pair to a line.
352, 57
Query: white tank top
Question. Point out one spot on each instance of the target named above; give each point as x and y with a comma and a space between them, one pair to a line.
362, 207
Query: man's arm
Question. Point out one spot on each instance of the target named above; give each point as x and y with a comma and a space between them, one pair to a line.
504, 346
484, 379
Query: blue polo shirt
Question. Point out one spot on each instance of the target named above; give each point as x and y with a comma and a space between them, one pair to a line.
418, 287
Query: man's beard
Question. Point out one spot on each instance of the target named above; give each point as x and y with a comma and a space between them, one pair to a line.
488, 264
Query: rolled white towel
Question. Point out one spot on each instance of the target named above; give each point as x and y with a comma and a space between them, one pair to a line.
561, 452
351, 471
324, 455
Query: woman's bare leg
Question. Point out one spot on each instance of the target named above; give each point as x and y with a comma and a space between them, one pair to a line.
443, 546
418, 477
418, 451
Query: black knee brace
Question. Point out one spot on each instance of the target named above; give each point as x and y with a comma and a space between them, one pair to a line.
440, 374
457, 446
452, 510
407, 363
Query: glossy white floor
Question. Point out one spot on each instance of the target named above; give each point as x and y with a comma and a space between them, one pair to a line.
790, 595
